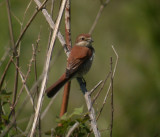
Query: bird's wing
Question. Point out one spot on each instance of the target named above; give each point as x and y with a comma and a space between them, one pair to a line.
77, 57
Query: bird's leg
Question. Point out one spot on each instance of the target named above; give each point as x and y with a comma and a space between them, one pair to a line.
84, 81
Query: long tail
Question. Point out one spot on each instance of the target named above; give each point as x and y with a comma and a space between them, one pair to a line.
52, 90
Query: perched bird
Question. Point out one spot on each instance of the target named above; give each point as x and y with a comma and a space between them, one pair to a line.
78, 63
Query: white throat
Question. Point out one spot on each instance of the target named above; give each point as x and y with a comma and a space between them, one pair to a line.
83, 43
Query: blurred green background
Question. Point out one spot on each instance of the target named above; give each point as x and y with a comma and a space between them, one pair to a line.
133, 27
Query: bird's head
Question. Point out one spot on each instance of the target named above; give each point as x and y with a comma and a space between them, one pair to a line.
84, 40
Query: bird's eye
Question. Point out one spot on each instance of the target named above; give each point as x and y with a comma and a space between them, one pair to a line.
82, 38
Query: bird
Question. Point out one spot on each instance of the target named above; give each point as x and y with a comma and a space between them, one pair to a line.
79, 63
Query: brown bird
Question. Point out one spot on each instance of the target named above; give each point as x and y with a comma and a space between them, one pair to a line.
78, 63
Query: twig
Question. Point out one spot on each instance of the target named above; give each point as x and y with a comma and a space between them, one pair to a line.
14, 101
24, 84
16, 18
47, 108
72, 129
113, 73
24, 78
18, 41
10, 125
49, 40
5, 55
29, 124
14, 54
35, 63
36, 77
29, 22
50, 103
90, 108
112, 109
29, 4
98, 93
65, 99
46, 67
51, 30
95, 87
51, 23
10, 26
114, 70
98, 15
66, 92
68, 25
5, 72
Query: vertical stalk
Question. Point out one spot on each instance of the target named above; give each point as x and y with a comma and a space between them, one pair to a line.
14, 54
68, 43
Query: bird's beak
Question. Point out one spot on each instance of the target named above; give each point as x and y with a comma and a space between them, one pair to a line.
90, 40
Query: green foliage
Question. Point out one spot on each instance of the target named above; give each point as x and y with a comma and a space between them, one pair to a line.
67, 121
4, 119
4, 97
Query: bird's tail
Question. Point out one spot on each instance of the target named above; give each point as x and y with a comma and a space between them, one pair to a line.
52, 90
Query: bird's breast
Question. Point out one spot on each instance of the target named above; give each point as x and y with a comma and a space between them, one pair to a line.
85, 67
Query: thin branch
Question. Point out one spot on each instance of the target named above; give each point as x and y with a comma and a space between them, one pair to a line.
114, 70
5, 55
29, 4
65, 99
14, 101
98, 93
47, 108
72, 129
49, 40
50, 103
24, 79
52, 25
66, 92
19, 39
90, 108
95, 87
29, 123
35, 63
10, 26
51, 30
36, 78
112, 108
14, 54
46, 67
68, 25
29, 22
115, 67
98, 15
16, 18
5, 72
24, 84
10, 125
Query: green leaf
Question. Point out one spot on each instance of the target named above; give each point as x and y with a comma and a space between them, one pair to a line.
3, 92
68, 121
60, 119
77, 111
5, 117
